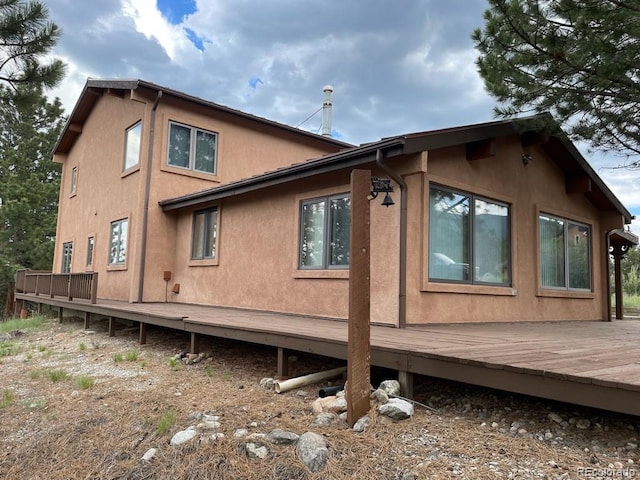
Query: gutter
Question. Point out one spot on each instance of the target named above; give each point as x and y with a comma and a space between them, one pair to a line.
147, 189
402, 284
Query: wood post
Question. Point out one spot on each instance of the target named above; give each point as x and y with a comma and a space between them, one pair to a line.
112, 326
60, 314
195, 343
283, 362
87, 320
143, 333
359, 348
406, 383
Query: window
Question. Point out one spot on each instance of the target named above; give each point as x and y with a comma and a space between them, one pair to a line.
324, 232
118, 249
469, 239
74, 179
565, 253
90, 244
67, 252
133, 137
192, 148
203, 243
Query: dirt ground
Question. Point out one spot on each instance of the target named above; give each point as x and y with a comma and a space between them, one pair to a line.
77, 404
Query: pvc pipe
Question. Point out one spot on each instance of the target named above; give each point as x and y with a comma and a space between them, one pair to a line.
286, 385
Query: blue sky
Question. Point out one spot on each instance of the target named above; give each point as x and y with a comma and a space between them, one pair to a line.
396, 67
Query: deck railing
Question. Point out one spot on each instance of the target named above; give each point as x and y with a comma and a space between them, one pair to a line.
70, 285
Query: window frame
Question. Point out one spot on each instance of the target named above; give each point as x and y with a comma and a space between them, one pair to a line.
193, 133
327, 232
118, 222
471, 242
206, 223
74, 180
91, 245
126, 167
67, 257
567, 240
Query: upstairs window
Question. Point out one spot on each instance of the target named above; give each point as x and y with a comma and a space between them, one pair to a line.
74, 179
133, 137
565, 254
469, 238
118, 247
205, 225
67, 253
324, 232
90, 245
192, 148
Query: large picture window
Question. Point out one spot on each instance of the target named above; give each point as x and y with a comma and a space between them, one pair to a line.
133, 137
205, 224
118, 248
469, 238
324, 232
565, 253
67, 253
192, 148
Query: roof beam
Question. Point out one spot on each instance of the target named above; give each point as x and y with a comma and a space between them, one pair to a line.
75, 127
481, 149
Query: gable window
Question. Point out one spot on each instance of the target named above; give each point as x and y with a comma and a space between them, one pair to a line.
324, 232
118, 247
67, 252
565, 253
90, 245
203, 242
74, 179
133, 137
469, 238
192, 148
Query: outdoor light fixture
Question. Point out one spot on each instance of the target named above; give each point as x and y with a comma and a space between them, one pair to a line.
526, 158
379, 185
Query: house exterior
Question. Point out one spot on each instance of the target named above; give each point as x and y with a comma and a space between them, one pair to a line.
174, 199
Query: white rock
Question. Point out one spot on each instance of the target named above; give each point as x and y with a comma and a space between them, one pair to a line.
338, 405
391, 387
362, 424
312, 450
183, 436
149, 455
396, 409
555, 417
282, 437
325, 418
241, 432
256, 451
208, 425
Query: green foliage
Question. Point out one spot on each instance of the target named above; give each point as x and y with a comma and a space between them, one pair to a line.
174, 363
31, 323
118, 357
209, 371
8, 348
132, 356
7, 398
574, 58
85, 382
82, 346
57, 375
166, 422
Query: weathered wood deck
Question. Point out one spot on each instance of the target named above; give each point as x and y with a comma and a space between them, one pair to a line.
596, 364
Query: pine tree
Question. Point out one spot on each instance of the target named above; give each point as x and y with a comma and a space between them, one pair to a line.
577, 59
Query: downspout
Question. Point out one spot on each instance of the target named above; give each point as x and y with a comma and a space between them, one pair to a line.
147, 190
402, 284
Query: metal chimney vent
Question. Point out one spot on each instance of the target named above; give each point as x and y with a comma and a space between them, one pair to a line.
327, 111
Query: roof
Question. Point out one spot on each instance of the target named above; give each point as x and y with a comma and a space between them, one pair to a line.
94, 88
557, 146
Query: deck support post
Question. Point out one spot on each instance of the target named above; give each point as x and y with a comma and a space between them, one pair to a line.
112, 326
283, 362
142, 337
39, 309
87, 320
618, 252
406, 383
195, 343
60, 314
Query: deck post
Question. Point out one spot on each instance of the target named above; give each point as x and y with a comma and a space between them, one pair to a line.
143, 333
112, 326
60, 314
359, 331
283, 362
39, 309
406, 383
87, 320
195, 343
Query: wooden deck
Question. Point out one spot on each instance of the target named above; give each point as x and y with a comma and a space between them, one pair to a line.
596, 364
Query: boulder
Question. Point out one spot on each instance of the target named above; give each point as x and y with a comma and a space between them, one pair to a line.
397, 409
282, 437
312, 451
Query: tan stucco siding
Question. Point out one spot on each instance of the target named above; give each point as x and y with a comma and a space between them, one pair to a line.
538, 186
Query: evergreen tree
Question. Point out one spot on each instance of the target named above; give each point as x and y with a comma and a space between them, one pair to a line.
29, 182
26, 35
577, 59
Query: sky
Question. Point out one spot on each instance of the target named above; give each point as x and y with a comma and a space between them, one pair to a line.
395, 67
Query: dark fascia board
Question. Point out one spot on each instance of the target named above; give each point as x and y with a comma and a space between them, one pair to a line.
619, 236
86, 101
329, 163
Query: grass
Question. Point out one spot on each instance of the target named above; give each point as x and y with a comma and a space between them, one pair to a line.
82, 346
166, 421
57, 375
132, 356
9, 348
7, 398
174, 363
85, 382
31, 323
117, 357
209, 371
35, 374
42, 348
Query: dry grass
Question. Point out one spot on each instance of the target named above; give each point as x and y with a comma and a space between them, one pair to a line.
51, 432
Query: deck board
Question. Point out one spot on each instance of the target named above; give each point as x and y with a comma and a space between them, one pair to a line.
589, 363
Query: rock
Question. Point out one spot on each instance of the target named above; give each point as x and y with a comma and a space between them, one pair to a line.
267, 383
241, 432
338, 405
196, 416
316, 406
149, 455
362, 424
554, 417
325, 418
397, 409
583, 424
208, 417
312, 451
282, 437
256, 451
409, 476
391, 387
381, 396
216, 436
209, 425
75, 394
302, 394
183, 436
